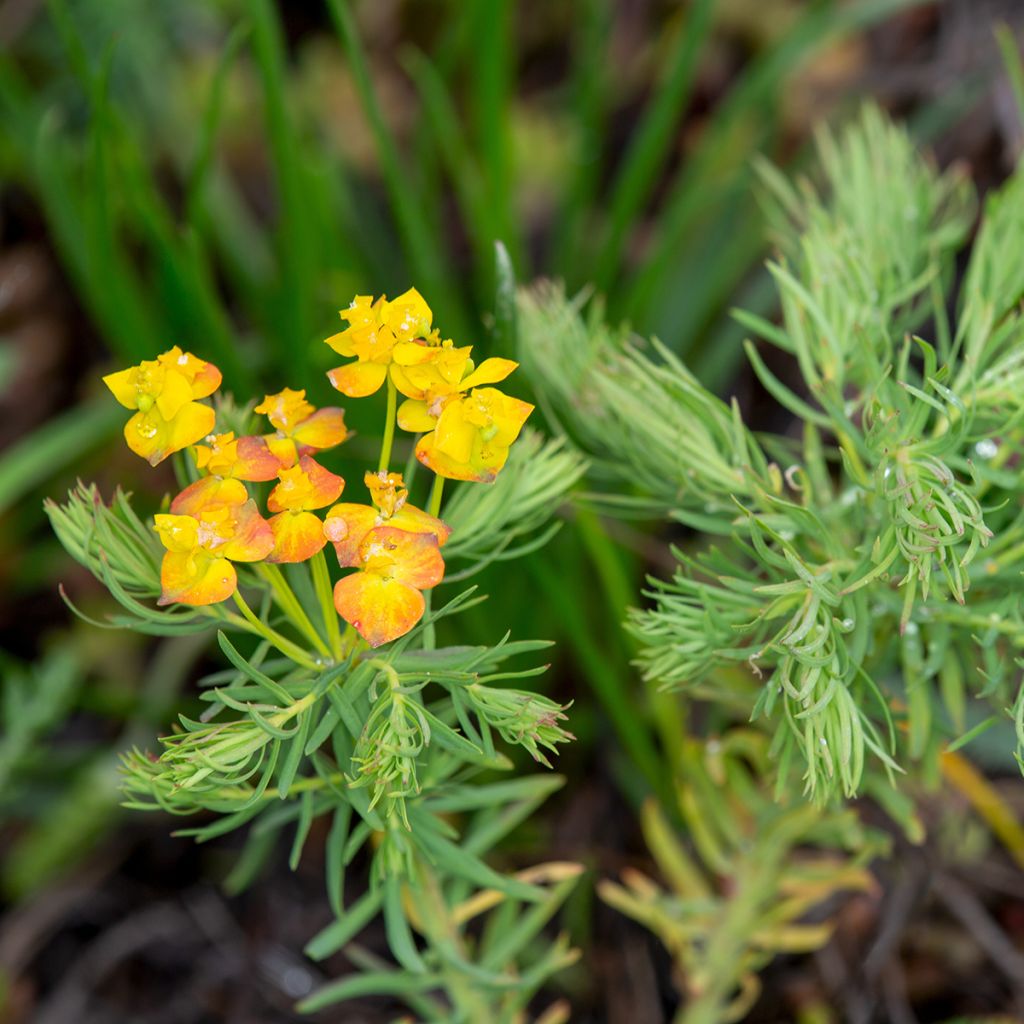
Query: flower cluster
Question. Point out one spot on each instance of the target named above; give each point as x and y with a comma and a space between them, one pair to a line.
467, 427
392, 547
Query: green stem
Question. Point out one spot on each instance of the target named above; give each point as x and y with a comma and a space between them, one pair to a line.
433, 509
389, 427
436, 492
291, 606
325, 595
283, 644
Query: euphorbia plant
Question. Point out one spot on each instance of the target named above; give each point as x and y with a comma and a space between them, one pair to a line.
337, 702
845, 612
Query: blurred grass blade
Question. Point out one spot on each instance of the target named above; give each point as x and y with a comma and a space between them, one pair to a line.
55, 447
493, 55
752, 100
590, 89
297, 248
424, 251
650, 148
504, 302
1014, 66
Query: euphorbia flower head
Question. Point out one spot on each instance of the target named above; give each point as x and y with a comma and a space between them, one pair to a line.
347, 525
300, 428
472, 434
383, 600
298, 533
374, 329
203, 542
164, 391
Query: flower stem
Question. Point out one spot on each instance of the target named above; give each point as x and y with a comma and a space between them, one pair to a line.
291, 606
436, 491
433, 509
325, 595
389, 427
283, 644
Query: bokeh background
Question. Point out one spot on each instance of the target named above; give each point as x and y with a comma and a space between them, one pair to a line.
225, 175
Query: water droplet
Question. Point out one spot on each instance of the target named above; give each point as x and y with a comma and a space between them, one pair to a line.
888, 471
986, 449
911, 629
147, 430
847, 624
823, 741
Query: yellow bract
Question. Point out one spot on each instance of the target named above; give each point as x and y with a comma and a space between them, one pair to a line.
164, 391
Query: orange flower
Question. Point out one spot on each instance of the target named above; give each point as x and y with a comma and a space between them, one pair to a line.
384, 599
298, 533
164, 391
217, 529
347, 525
300, 427
374, 329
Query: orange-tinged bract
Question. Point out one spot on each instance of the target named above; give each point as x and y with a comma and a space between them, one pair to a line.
164, 391
375, 329
203, 542
347, 525
298, 533
384, 599
299, 427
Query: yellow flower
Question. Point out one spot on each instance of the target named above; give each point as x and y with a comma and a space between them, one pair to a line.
164, 391
203, 536
374, 329
470, 438
300, 427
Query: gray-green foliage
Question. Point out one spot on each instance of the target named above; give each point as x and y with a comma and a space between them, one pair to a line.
864, 571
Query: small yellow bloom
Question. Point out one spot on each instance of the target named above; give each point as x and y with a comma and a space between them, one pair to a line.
471, 437
300, 428
375, 327
164, 391
217, 529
